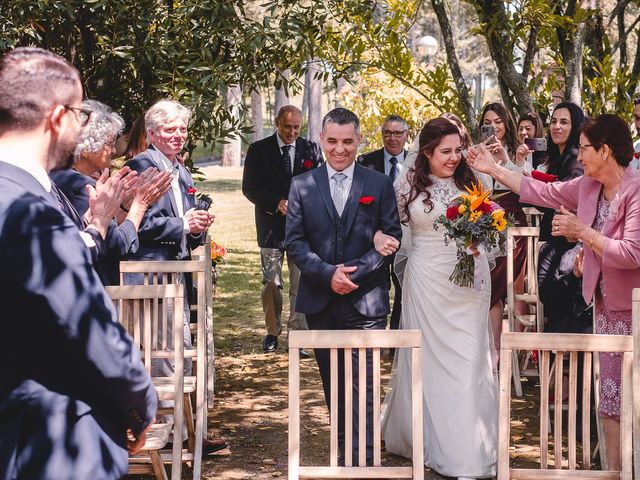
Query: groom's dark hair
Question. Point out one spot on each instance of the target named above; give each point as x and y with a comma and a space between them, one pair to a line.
342, 116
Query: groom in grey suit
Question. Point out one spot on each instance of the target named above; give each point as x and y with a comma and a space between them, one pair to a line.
334, 212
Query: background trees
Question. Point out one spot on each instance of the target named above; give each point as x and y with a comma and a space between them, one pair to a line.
219, 56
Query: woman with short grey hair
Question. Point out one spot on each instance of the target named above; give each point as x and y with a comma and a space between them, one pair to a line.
93, 156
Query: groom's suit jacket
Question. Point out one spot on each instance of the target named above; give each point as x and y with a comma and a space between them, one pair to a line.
318, 239
161, 233
72, 380
265, 183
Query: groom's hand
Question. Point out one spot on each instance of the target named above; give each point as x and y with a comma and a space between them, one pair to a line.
340, 282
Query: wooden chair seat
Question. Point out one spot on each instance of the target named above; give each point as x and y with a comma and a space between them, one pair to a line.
164, 386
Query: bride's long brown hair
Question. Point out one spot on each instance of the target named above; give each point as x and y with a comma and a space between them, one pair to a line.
418, 175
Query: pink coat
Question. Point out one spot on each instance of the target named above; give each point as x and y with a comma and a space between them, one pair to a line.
620, 261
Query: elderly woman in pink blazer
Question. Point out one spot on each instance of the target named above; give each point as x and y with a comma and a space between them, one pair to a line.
607, 222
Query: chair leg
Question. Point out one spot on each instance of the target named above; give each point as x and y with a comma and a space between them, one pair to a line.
517, 384
156, 464
188, 418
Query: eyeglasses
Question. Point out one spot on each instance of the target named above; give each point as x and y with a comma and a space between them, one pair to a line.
389, 133
83, 114
582, 148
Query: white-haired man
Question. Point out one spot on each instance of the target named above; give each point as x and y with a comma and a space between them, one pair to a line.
172, 226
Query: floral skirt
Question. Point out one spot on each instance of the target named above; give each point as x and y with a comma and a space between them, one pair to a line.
610, 323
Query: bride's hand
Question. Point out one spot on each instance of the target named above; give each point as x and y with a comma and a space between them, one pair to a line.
480, 159
385, 244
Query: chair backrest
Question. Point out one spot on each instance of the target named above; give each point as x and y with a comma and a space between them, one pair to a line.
564, 345
169, 271
534, 216
530, 295
350, 340
150, 314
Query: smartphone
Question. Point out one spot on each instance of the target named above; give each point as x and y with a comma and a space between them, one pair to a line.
486, 131
536, 144
204, 202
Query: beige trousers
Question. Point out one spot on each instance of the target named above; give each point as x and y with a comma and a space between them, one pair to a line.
272, 260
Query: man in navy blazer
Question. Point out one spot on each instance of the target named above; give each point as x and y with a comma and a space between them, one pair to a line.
390, 160
334, 214
72, 383
268, 168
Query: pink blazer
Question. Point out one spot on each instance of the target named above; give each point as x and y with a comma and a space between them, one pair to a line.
620, 261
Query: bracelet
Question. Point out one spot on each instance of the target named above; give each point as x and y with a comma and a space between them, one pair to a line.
592, 238
123, 209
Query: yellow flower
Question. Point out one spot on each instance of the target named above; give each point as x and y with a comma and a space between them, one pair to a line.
500, 224
462, 209
497, 215
475, 216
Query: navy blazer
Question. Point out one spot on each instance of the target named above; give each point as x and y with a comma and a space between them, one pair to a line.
265, 183
318, 239
161, 233
72, 380
375, 159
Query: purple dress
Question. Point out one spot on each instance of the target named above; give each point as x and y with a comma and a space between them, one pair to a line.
609, 323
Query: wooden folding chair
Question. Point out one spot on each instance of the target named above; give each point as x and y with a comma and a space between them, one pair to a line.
169, 272
565, 344
144, 311
534, 319
349, 340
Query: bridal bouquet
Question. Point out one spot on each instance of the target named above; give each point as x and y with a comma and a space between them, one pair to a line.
472, 219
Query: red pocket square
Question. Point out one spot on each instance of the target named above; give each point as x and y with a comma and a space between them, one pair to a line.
544, 177
366, 200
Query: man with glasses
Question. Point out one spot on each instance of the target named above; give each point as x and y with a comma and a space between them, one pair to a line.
389, 160
72, 383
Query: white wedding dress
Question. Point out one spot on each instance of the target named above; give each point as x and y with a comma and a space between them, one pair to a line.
459, 387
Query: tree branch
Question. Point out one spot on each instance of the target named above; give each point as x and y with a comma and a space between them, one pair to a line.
530, 52
623, 37
464, 96
621, 6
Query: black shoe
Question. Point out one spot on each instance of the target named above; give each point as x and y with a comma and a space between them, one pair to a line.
270, 343
304, 353
212, 446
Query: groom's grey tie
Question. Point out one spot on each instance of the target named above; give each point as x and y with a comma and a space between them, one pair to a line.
339, 191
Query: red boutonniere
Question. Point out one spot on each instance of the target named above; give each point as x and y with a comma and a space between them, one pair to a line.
307, 164
544, 177
636, 155
191, 191
366, 200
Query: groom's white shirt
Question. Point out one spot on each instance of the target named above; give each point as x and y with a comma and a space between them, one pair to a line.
348, 172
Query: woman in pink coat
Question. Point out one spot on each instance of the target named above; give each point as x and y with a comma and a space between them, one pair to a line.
607, 222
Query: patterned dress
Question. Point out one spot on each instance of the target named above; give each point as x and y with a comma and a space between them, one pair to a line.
609, 323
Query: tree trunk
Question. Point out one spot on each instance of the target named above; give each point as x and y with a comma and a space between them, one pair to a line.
494, 18
231, 150
307, 85
573, 65
256, 114
464, 96
281, 96
314, 121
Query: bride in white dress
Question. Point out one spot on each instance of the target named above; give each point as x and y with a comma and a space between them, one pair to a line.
459, 388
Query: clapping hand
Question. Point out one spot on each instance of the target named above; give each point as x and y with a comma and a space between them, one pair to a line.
566, 224
385, 244
105, 198
578, 266
153, 185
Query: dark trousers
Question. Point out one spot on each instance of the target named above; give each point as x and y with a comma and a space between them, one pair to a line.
340, 314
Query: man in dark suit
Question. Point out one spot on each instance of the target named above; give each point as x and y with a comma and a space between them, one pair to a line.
72, 387
390, 160
334, 213
268, 168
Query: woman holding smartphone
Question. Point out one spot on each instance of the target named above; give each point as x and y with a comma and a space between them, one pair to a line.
531, 136
503, 146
